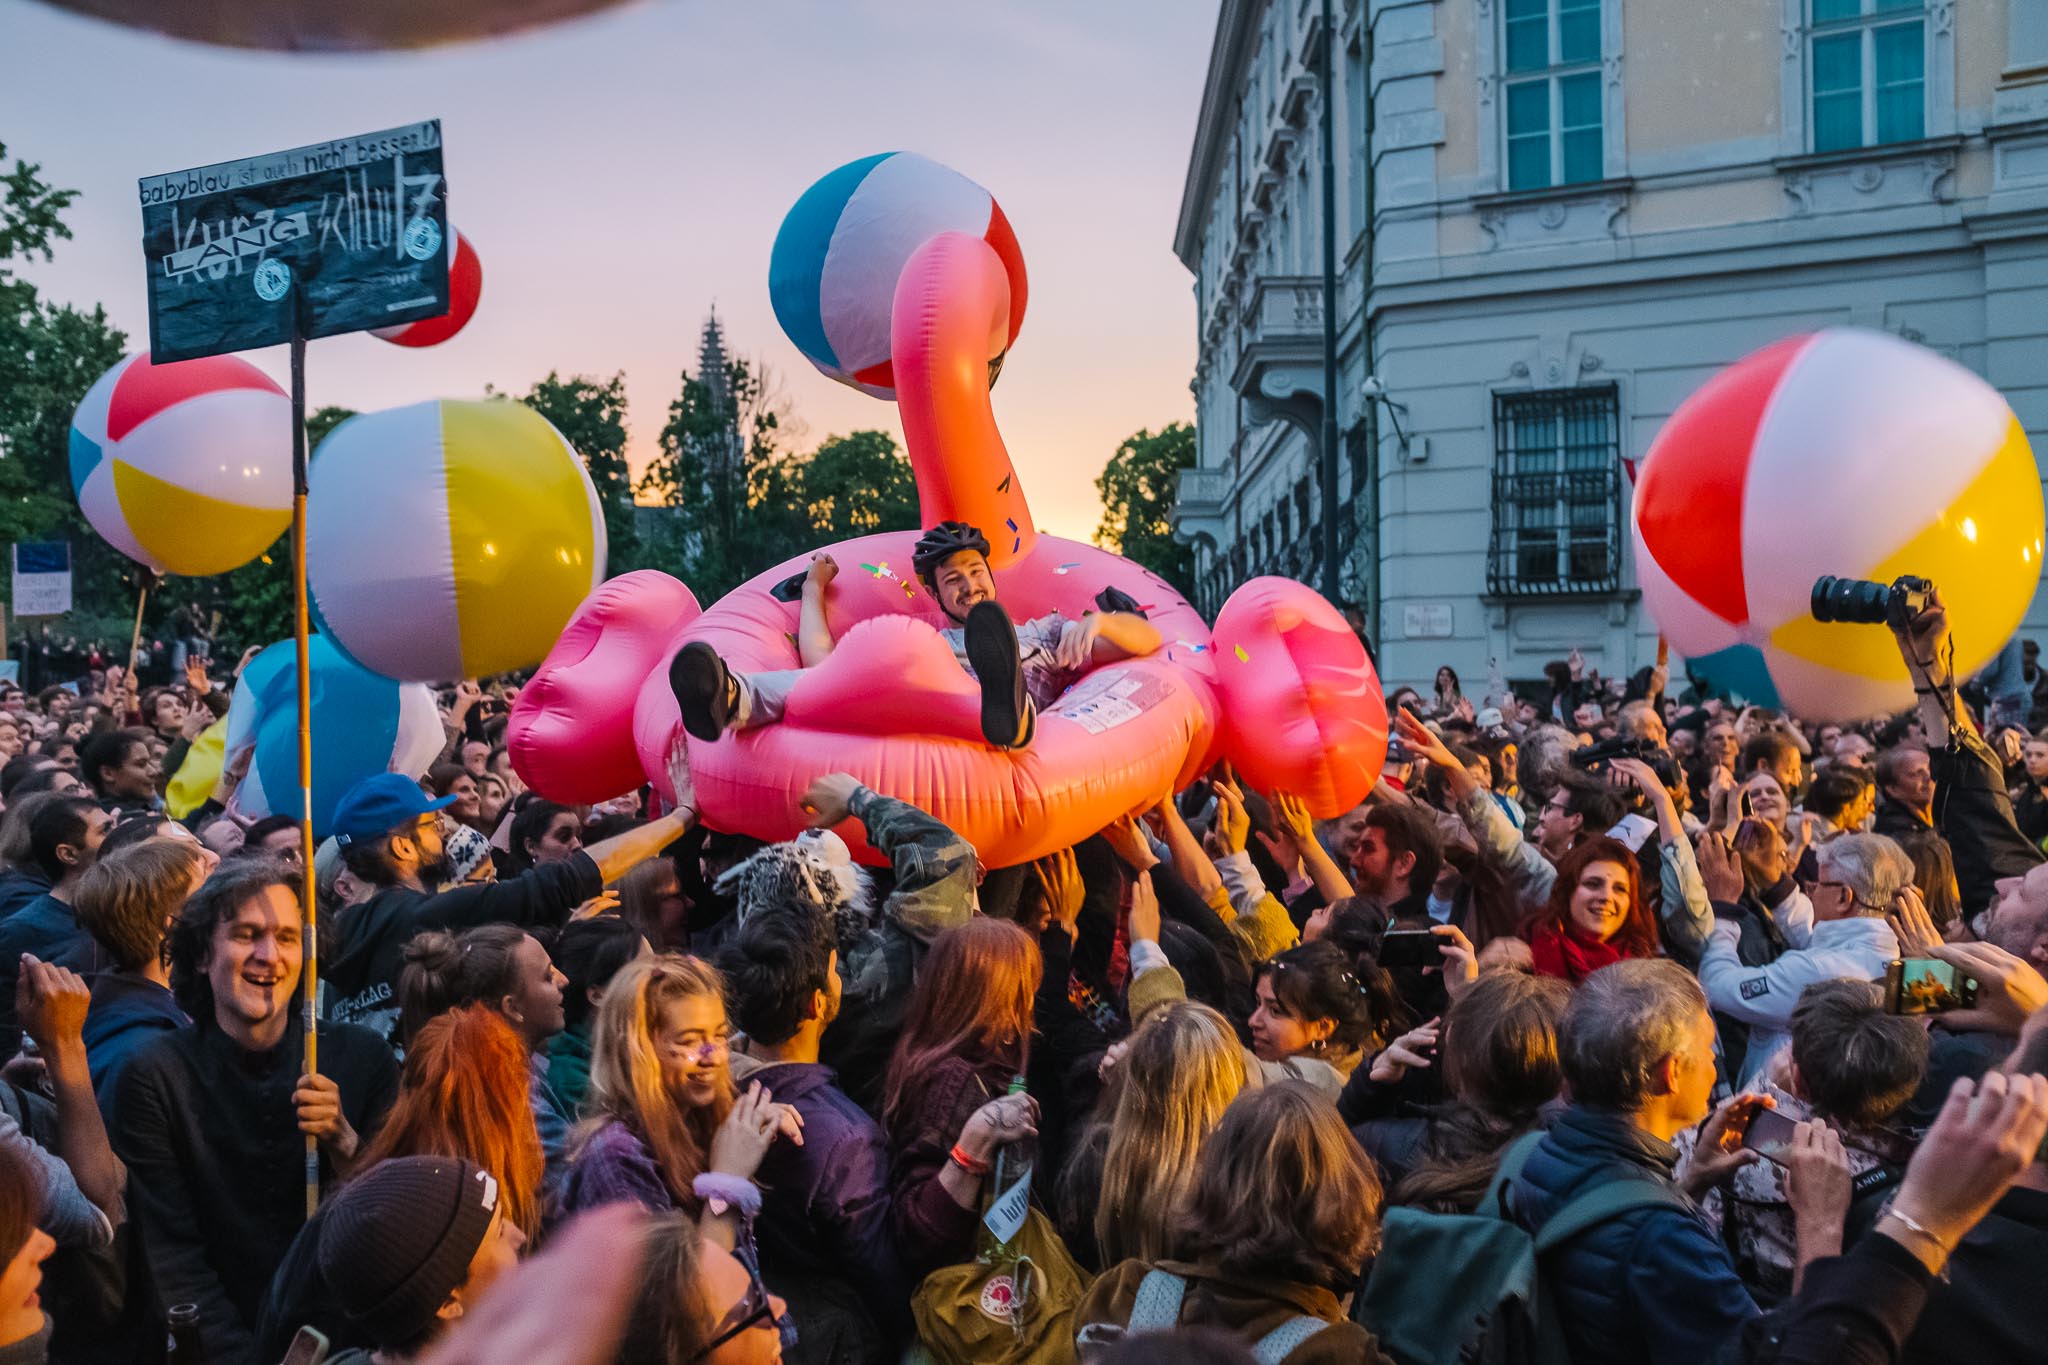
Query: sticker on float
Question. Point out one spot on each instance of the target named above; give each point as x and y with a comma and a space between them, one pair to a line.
1109, 698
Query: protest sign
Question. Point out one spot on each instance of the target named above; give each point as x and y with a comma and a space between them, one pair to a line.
344, 236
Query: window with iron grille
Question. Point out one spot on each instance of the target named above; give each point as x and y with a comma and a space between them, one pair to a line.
1556, 493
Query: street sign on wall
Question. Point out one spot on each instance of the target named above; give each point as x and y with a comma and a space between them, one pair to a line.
42, 578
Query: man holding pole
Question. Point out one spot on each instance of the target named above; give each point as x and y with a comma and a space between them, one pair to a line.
209, 1119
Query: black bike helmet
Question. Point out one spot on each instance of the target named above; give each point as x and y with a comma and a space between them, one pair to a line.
942, 542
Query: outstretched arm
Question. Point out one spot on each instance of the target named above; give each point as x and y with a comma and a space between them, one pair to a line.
936, 870
1121, 635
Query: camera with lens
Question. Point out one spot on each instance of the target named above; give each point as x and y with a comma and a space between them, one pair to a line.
1598, 757
1859, 601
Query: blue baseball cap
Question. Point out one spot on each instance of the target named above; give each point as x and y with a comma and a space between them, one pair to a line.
377, 805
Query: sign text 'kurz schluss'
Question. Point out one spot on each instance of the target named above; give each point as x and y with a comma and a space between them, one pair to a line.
343, 236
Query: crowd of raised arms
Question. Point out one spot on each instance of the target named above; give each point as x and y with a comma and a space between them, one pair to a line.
1739, 1023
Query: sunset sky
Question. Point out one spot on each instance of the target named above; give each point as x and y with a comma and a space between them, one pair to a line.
621, 174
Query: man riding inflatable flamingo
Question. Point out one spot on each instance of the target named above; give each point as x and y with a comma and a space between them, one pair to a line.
1024, 734
1020, 669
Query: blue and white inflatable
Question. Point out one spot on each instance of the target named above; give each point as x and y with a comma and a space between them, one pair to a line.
363, 723
832, 276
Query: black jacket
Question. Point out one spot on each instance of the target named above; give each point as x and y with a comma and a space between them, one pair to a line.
1974, 814
1895, 819
1990, 1306
1652, 1286
2030, 813
1852, 1309
359, 972
216, 1162
47, 928
20, 886
126, 1012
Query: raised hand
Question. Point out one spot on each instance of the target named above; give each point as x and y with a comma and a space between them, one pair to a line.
1720, 867
1293, 816
1128, 842
2009, 990
1059, 877
1912, 925
829, 799
1411, 1049
1461, 960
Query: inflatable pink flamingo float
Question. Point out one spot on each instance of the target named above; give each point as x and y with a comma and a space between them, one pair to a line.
902, 277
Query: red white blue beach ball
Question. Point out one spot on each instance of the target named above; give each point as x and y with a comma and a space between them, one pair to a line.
832, 275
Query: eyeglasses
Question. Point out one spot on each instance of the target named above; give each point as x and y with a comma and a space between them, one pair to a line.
753, 1309
1848, 892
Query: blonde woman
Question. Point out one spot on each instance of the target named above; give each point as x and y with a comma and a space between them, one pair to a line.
1282, 1210
667, 1131
1135, 1163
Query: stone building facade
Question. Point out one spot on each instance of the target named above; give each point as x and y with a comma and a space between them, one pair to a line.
1555, 219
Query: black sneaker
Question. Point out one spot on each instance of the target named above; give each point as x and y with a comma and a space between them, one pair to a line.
704, 690
992, 653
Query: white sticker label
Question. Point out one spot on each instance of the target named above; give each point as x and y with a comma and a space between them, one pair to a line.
1005, 1217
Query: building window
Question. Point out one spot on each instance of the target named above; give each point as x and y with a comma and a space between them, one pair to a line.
1552, 92
1556, 493
1869, 72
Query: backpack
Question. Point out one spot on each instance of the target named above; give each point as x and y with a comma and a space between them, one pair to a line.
1156, 1308
976, 1313
1438, 1270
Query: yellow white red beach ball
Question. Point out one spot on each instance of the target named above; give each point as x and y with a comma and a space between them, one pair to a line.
184, 467
1844, 452
450, 539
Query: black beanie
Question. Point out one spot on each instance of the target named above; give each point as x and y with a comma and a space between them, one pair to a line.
398, 1240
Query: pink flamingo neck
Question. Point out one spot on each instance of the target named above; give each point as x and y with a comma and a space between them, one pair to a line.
949, 320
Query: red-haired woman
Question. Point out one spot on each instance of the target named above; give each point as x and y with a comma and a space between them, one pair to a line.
1596, 914
462, 1094
23, 1334
945, 1102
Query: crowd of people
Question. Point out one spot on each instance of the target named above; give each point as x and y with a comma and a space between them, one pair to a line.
1730, 1030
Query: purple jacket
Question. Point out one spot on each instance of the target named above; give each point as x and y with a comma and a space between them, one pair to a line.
615, 1167
825, 1205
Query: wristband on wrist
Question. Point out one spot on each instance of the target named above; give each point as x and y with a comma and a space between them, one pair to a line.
1891, 1209
959, 1157
721, 1192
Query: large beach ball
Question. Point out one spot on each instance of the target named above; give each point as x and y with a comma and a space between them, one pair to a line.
185, 467
450, 539
465, 289
363, 724
832, 275
324, 26
1843, 452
